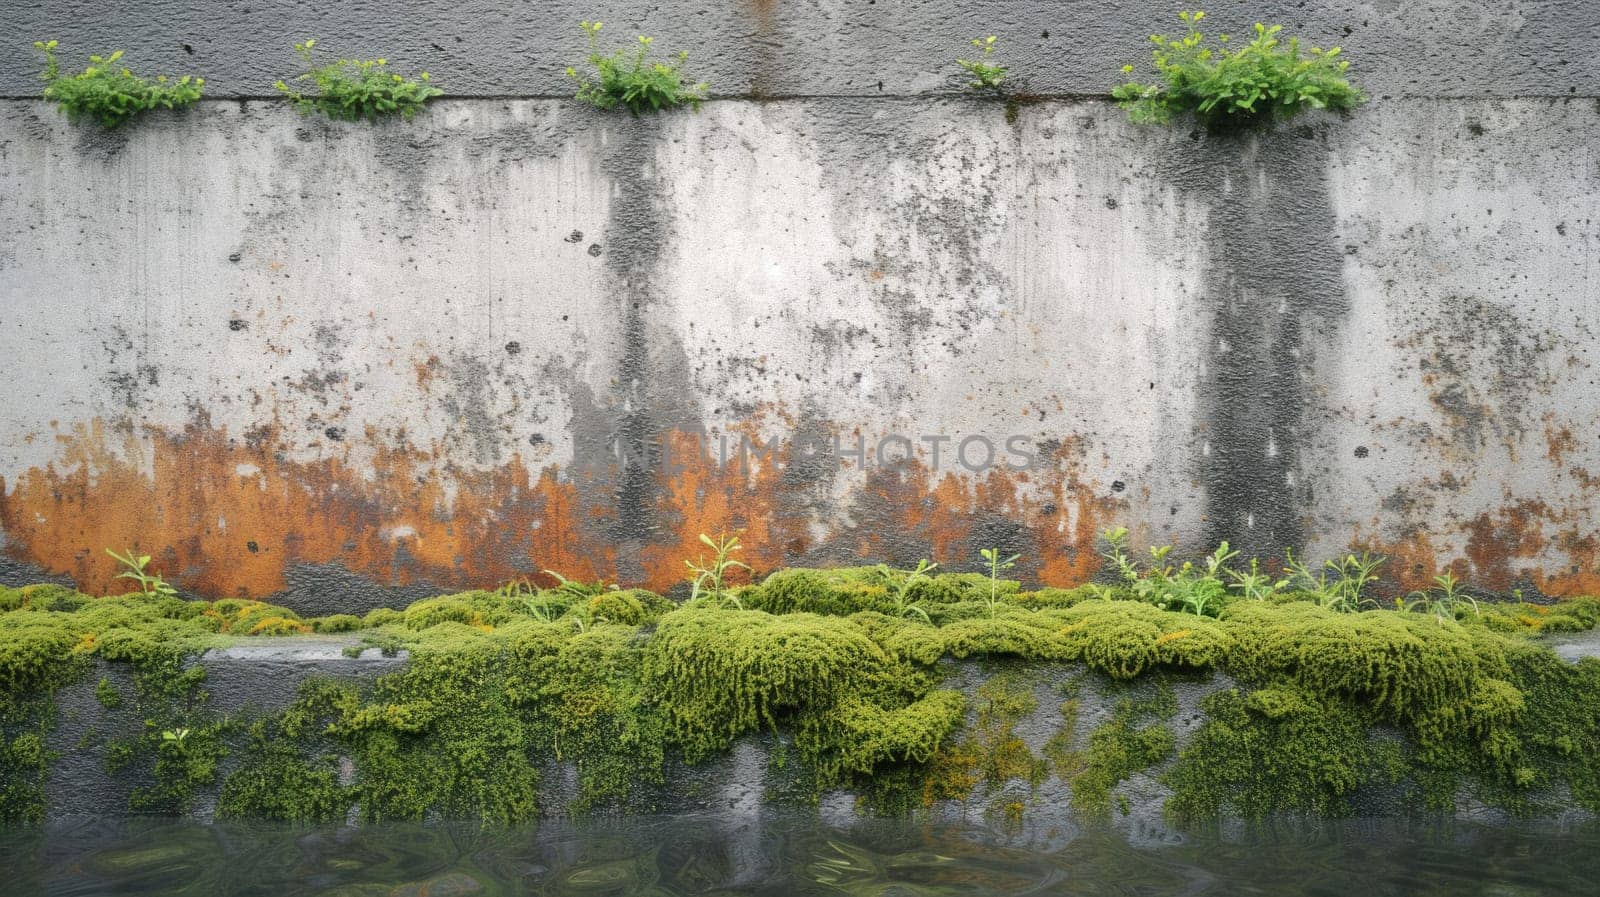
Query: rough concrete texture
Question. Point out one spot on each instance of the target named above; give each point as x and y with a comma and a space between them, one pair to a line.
783, 48
347, 365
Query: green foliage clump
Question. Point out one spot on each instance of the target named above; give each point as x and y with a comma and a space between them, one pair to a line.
986, 75
1206, 588
628, 607
852, 704
351, 89
137, 568
438, 736
843, 591
710, 578
335, 623
632, 81
1264, 80
111, 94
583, 699
107, 694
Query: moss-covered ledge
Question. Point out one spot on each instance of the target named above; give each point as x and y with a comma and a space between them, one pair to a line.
815, 686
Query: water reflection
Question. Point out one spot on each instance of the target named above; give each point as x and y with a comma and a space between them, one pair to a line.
788, 855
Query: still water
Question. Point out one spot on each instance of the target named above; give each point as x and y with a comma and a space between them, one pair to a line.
790, 855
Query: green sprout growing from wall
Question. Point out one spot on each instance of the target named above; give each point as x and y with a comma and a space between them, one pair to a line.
351, 89
986, 75
633, 81
710, 578
996, 565
137, 568
1261, 81
110, 93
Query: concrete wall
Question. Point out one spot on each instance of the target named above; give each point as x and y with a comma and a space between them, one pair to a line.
332, 362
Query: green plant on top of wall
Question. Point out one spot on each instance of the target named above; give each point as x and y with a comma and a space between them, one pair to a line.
350, 89
1234, 83
631, 80
986, 75
110, 93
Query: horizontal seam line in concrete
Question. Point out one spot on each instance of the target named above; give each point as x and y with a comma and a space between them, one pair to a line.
946, 95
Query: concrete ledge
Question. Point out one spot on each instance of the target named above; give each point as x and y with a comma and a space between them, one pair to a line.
810, 47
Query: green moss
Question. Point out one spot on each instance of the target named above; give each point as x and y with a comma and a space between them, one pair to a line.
848, 590
1051, 597
383, 616
44, 596
107, 694
431, 612
35, 654
622, 683
853, 706
274, 781
441, 736
988, 753
335, 623
1278, 750
1119, 638
1576, 615
1136, 738
724, 673
24, 762
583, 700
1003, 701
182, 742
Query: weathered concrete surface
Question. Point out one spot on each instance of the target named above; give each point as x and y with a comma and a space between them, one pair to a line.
345, 365
811, 47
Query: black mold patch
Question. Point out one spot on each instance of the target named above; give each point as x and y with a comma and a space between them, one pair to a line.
314, 590
1270, 203
618, 439
100, 143
15, 573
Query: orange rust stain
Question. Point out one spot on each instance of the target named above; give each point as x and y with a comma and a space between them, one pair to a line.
227, 516
1559, 441
1507, 549
700, 492
1495, 541
230, 515
425, 371
1411, 563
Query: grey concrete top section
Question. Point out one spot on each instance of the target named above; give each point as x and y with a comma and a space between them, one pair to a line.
1455, 48
296, 649
1576, 646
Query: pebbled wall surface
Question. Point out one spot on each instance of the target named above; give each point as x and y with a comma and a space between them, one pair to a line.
345, 364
